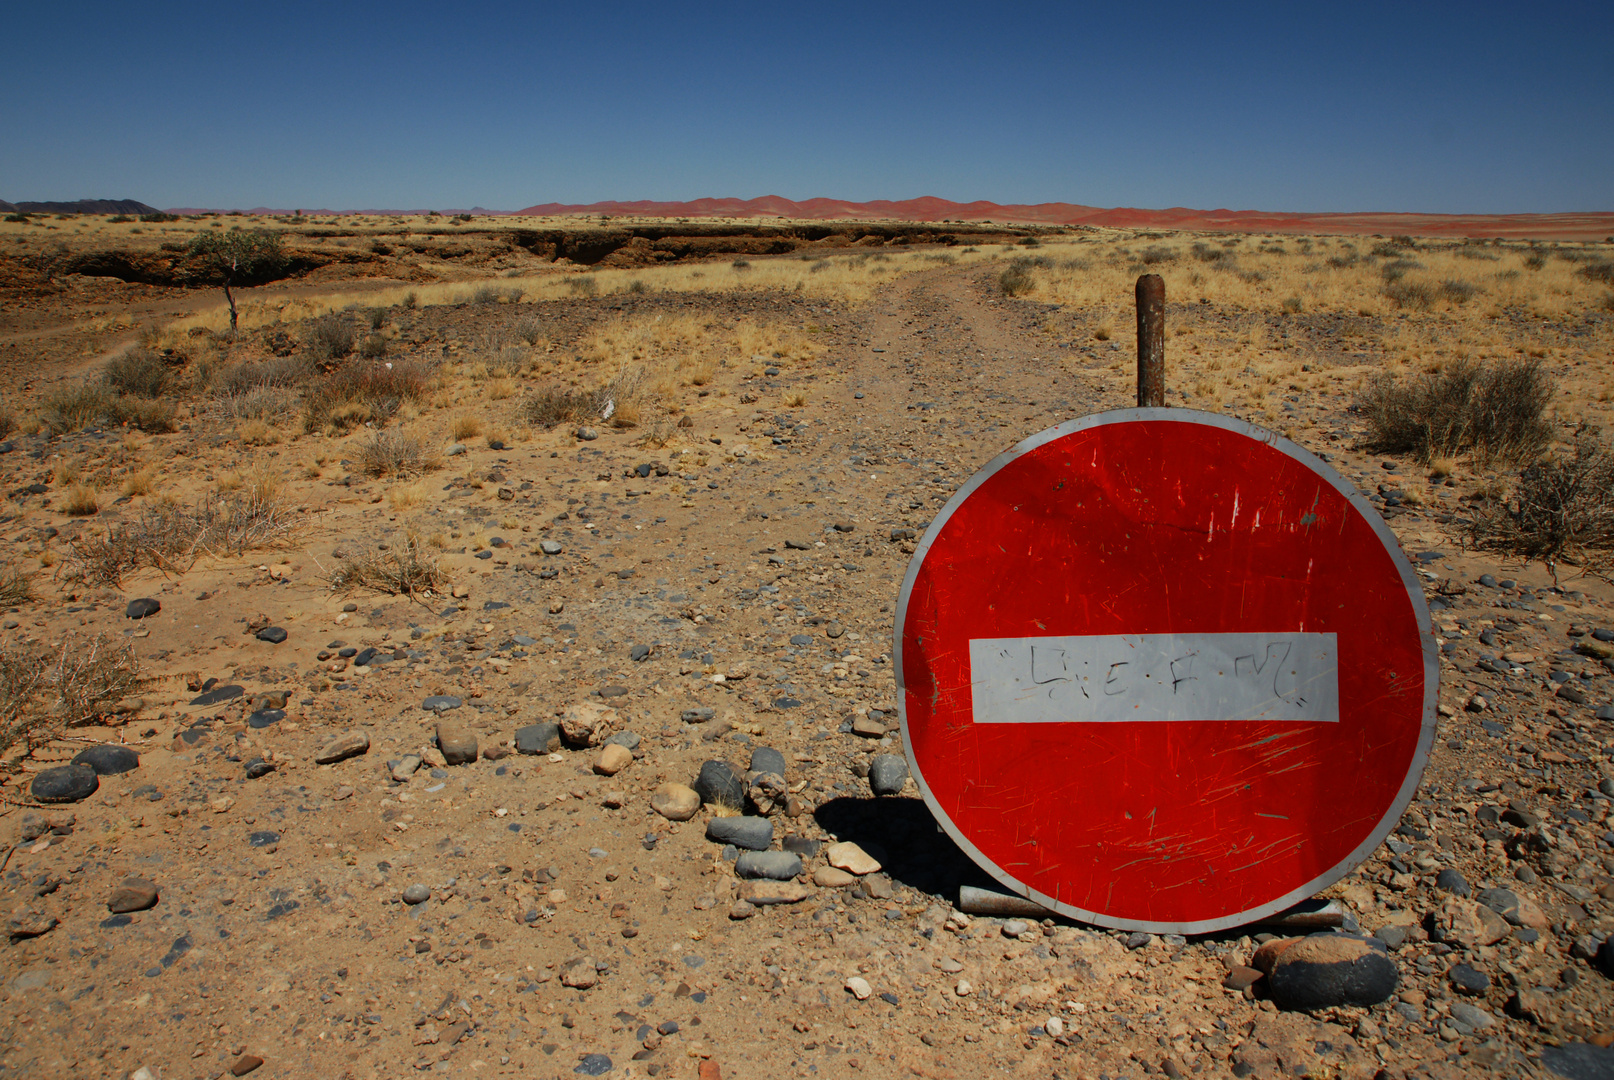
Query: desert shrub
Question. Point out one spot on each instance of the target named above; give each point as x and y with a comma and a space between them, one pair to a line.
330, 337
1561, 506
390, 454
171, 536
1600, 270
374, 347
158, 217
584, 286
42, 694
1207, 254
8, 421
378, 318
1154, 256
79, 500
17, 216
1397, 269
410, 300
1423, 295
637, 287
741, 264
1016, 278
16, 586
281, 373
553, 405
137, 371
1293, 305
491, 294
1497, 412
399, 571
364, 390
527, 329
81, 405
1535, 260
261, 403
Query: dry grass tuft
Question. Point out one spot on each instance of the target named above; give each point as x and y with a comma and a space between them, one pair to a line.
139, 483
553, 405
80, 500
16, 587
397, 572
170, 536
406, 496
1562, 508
394, 454
364, 391
8, 421
1495, 412
465, 426
43, 694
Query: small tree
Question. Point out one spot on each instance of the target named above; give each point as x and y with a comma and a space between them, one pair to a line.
238, 255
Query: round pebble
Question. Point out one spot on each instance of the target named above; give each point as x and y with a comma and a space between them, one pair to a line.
108, 759
417, 894
143, 608
64, 784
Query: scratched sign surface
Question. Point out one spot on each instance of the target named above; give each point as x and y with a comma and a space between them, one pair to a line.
1164, 670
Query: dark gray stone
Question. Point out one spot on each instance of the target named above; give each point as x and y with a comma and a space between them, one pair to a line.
1466, 979
65, 783
697, 716
541, 738
1452, 881
718, 784
108, 759
765, 759
143, 608
628, 739
1471, 1016
775, 865
887, 774
218, 695
441, 703
135, 894
1605, 957
1393, 936
258, 767
1138, 940
1504, 902
751, 833
274, 635
550, 547
263, 838
1579, 1061
416, 894
593, 1065
1327, 970
639, 652
264, 717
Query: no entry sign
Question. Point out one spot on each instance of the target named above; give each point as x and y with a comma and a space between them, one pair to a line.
1164, 670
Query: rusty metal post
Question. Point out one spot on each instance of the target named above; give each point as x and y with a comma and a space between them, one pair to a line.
1151, 341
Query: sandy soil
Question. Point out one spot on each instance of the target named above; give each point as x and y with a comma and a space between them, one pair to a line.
568, 922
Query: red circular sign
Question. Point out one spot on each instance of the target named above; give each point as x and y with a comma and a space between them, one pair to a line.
1164, 670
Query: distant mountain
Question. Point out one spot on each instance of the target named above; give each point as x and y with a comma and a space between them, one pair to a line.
81, 206
1569, 226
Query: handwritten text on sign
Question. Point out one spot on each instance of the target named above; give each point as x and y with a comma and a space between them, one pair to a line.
1114, 678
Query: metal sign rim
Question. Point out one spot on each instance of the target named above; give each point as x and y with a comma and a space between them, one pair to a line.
1381, 529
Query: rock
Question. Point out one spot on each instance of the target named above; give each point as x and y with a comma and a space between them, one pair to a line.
540, 738
832, 877
1466, 979
1328, 969
406, 767
761, 893
441, 703
639, 653
1605, 956
613, 759
416, 894
245, 1063
697, 716
274, 635
587, 434
887, 774
258, 767
834, 630
1472, 1015
1466, 924
135, 894
628, 739
1453, 882
963, 988
108, 759
751, 833
64, 784
859, 988
1393, 936
742, 909
868, 727
767, 791
31, 924
775, 865
1240, 977
218, 695
586, 724
1532, 1005
1579, 1061
143, 608
550, 547
765, 759
851, 858
1138, 940
584, 974
1517, 910
1013, 928
455, 741
343, 747
718, 786
675, 802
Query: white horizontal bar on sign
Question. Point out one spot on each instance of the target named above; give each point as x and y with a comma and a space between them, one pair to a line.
1115, 678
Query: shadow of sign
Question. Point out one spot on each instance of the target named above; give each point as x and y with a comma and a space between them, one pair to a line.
904, 837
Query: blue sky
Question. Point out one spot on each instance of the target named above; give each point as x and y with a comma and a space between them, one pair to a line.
1433, 107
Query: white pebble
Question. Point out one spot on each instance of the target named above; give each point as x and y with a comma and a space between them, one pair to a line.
859, 987
963, 989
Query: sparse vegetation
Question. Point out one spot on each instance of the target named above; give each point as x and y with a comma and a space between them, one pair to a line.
170, 536
403, 570
364, 391
330, 338
553, 405
137, 371
16, 586
43, 694
1495, 412
79, 500
238, 255
394, 454
1562, 508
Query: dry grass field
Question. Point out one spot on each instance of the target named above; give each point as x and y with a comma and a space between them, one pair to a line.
440, 460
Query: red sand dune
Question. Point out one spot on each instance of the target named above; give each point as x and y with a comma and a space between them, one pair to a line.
1572, 226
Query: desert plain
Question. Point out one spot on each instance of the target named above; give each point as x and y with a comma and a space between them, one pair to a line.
656, 482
